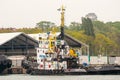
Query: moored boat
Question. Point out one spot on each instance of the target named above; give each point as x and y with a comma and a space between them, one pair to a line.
4, 63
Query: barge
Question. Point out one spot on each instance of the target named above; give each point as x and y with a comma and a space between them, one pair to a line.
104, 69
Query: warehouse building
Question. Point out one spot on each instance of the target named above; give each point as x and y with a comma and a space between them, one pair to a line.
17, 43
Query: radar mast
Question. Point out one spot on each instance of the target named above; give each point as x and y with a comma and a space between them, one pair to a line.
62, 10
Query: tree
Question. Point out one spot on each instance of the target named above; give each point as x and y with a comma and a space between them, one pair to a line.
104, 45
75, 26
92, 16
45, 25
87, 26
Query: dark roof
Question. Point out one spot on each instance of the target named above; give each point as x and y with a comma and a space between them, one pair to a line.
72, 42
18, 40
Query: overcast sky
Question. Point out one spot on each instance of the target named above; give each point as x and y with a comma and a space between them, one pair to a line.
26, 13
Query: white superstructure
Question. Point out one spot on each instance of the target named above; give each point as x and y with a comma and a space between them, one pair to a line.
46, 51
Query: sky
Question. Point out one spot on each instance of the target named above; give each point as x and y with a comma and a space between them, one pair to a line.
26, 13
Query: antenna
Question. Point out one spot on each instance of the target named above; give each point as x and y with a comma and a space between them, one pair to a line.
62, 10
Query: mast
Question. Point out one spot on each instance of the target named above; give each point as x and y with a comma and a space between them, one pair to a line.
62, 9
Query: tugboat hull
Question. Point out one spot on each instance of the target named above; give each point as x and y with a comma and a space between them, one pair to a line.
55, 72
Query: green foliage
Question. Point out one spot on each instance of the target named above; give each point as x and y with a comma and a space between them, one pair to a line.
114, 24
104, 45
106, 40
29, 30
87, 26
99, 27
75, 26
45, 25
25, 30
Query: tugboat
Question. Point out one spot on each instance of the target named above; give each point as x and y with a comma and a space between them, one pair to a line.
4, 63
54, 55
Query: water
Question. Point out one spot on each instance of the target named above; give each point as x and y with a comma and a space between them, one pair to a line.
65, 77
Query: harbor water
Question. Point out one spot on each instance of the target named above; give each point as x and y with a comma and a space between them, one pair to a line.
63, 77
